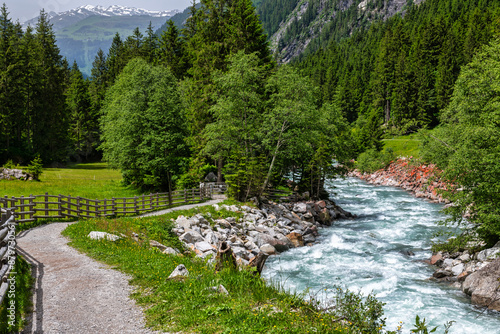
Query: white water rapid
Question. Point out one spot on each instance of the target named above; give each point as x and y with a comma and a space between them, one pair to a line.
368, 254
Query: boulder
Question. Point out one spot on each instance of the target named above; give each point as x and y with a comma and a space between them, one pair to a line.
204, 246
183, 222
440, 273
437, 259
170, 251
191, 237
179, 271
484, 286
268, 249
488, 254
103, 235
457, 269
156, 244
300, 207
324, 216
296, 239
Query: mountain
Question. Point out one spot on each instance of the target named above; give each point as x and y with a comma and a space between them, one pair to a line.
82, 31
298, 26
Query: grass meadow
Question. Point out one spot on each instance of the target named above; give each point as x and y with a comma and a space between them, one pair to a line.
92, 180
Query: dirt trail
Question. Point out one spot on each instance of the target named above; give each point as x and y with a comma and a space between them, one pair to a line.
74, 293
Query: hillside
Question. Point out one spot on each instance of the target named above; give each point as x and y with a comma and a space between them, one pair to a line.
302, 26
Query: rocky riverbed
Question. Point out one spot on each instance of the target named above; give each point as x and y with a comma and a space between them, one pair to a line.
477, 275
423, 181
272, 229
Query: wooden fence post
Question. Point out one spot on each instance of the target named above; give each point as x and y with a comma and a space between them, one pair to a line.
169, 198
78, 212
136, 208
46, 200
31, 207
157, 200
113, 206
21, 207
185, 196
59, 206
103, 212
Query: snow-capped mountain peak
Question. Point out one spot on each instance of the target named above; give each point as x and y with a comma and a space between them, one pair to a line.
83, 12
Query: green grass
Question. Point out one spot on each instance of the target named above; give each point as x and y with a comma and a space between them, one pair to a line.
94, 181
21, 298
252, 306
403, 146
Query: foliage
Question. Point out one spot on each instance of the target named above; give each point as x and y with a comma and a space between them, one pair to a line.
142, 126
35, 168
468, 145
373, 160
401, 70
22, 297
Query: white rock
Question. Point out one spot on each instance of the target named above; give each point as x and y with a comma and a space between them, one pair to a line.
268, 249
191, 237
170, 251
179, 271
488, 254
458, 269
103, 235
203, 246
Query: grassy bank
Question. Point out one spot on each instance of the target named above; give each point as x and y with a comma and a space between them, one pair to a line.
191, 306
21, 298
94, 181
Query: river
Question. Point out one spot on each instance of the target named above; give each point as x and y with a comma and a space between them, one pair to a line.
367, 254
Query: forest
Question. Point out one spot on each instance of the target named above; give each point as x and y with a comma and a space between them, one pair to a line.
209, 96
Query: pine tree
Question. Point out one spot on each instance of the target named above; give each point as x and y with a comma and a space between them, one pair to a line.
172, 51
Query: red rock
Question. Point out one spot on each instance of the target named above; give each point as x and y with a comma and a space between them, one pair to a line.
435, 258
463, 276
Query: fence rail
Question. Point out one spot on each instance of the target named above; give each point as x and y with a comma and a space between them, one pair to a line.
33, 207
7, 233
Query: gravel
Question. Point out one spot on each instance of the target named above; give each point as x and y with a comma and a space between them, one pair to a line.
73, 293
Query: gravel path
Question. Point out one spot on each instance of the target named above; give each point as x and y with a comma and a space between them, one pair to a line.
74, 293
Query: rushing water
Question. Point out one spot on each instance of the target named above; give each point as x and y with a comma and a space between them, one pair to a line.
367, 254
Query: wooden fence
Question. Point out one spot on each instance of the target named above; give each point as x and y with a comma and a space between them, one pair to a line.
6, 233
33, 207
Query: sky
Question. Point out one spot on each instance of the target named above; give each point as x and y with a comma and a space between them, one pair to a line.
24, 10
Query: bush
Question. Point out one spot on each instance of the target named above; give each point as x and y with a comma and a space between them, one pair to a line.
35, 168
373, 160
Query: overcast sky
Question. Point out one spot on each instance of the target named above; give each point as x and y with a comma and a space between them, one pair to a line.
28, 9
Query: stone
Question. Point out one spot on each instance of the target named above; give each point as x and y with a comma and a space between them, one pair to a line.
203, 246
191, 237
296, 239
483, 286
268, 249
156, 244
300, 207
179, 271
308, 238
103, 235
437, 259
447, 263
183, 222
324, 216
457, 269
440, 273
170, 251
464, 257
488, 254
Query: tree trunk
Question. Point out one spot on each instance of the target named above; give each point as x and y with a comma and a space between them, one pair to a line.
219, 170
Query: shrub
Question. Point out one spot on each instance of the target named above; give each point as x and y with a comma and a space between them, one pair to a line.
372, 160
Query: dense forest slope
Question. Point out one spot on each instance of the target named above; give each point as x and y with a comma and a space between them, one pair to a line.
302, 26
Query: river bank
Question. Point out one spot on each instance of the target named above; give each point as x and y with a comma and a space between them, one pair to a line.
475, 273
423, 181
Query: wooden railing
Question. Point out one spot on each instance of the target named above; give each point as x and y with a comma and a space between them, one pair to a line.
33, 207
7, 250
280, 195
